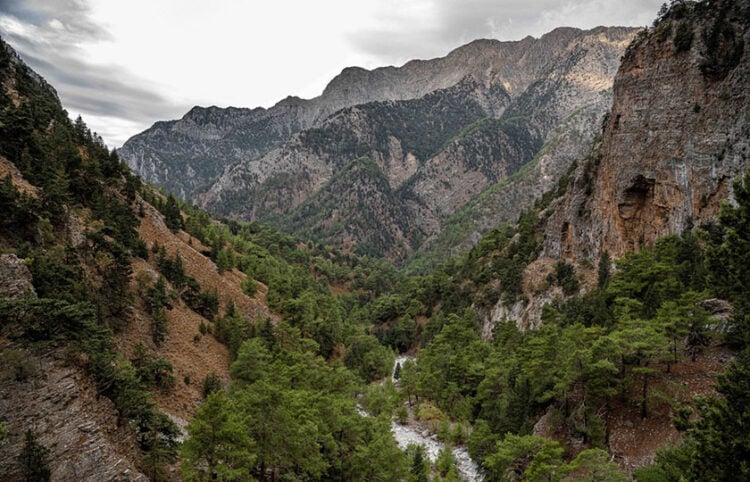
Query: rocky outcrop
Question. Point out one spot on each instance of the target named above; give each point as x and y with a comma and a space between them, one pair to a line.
61, 406
676, 138
675, 141
15, 278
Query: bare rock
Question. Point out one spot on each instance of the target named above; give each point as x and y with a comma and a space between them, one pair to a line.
15, 278
675, 140
63, 410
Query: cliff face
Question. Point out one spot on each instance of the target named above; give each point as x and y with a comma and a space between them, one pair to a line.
61, 405
676, 137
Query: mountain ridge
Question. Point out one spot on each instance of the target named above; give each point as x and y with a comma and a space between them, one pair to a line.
541, 80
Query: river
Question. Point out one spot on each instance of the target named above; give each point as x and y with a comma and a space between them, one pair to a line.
410, 434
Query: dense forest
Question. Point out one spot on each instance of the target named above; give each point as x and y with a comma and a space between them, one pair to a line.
310, 396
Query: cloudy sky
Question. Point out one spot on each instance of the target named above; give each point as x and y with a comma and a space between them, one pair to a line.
125, 64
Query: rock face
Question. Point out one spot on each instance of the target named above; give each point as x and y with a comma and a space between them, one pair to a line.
676, 138
62, 408
15, 278
440, 131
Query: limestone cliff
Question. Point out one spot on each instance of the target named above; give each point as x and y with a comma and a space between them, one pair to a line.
676, 137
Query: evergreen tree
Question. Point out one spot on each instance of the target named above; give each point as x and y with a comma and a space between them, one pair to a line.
720, 436
172, 215
419, 464
605, 266
218, 446
34, 459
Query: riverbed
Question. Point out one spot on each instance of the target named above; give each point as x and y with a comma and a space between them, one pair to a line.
414, 434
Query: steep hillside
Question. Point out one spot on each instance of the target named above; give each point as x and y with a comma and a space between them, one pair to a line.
585, 330
85, 380
125, 316
568, 143
63, 292
397, 135
368, 212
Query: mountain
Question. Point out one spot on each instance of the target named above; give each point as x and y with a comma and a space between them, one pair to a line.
441, 131
185, 155
613, 315
535, 352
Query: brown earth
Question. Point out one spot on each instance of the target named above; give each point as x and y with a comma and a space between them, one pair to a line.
633, 441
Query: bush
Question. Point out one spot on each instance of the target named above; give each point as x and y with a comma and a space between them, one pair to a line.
17, 366
249, 286
565, 275
212, 383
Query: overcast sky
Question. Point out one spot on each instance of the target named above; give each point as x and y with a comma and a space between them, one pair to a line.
125, 64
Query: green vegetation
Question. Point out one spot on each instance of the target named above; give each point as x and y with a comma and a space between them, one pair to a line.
422, 125
683, 37
723, 43
371, 212
288, 411
82, 289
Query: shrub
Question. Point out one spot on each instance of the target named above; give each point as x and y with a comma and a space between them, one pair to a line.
212, 383
17, 366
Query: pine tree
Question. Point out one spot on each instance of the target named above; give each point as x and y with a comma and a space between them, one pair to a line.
172, 216
605, 266
34, 459
219, 447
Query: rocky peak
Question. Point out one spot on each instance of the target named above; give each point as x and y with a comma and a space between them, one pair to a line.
17, 63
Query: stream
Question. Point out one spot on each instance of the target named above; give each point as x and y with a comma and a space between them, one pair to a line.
409, 434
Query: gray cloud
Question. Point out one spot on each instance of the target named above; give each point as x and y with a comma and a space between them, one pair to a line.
450, 23
48, 40
72, 16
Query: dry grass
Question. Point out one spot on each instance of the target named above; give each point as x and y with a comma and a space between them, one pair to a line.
190, 354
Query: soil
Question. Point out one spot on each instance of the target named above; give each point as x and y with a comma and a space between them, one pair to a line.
7, 168
633, 440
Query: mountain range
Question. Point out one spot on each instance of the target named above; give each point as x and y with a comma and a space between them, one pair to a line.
433, 134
